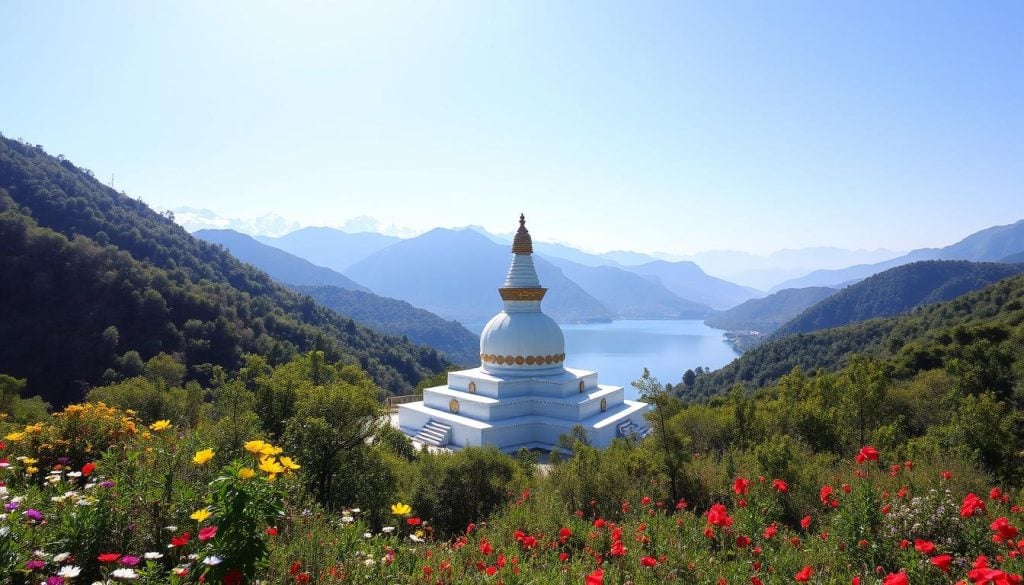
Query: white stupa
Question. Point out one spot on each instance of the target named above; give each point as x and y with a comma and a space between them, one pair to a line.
521, 395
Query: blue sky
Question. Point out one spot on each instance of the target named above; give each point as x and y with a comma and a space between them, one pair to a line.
649, 126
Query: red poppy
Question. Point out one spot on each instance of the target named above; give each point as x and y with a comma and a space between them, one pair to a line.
649, 562
755, 581
485, 548
825, 494
181, 540
108, 557
599, 523
88, 468
207, 533
528, 542
618, 550
855, 580
232, 577
947, 474
719, 515
564, 534
780, 486
770, 531
924, 546
596, 578
295, 568
645, 500
804, 575
302, 578
413, 521
742, 541
971, 505
805, 522
995, 493
896, 579
942, 562
1006, 531
740, 486
563, 556
867, 453
271, 531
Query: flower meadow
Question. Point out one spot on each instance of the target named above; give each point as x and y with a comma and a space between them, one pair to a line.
95, 495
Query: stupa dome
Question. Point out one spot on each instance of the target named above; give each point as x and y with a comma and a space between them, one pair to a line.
521, 339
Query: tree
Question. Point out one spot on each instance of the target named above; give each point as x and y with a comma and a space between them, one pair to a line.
672, 445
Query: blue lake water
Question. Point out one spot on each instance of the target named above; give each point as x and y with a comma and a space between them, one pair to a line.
619, 351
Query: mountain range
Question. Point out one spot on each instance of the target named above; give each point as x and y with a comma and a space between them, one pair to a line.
94, 283
989, 245
767, 314
898, 290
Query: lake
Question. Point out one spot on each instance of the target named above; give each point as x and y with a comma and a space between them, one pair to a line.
619, 351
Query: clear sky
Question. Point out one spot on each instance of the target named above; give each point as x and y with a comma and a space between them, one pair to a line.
648, 126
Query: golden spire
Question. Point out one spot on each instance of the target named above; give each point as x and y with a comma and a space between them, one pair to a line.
522, 244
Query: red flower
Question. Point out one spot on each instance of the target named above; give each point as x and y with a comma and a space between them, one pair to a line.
295, 568
207, 533
563, 556
1006, 530
780, 486
649, 562
994, 493
108, 557
896, 579
770, 530
271, 531
804, 575
924, 546
413, 521
564, 534
805, 522
485, 548
971, 505
825, 494
867, 453
88, 468
755, 581
599, 523
181, 540
232, 577
719, 515
742, 541
645, 500
618, 550
855, 580
942, 562
947, 474
302, 578
596, 578
528, 542
740, 486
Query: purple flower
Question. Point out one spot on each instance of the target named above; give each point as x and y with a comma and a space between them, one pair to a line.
54, 580
107, 484
33, 514
62, 460
129, 561
11, 506
35, 565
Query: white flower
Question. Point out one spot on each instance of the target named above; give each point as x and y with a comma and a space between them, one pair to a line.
90, 485
212, 560
415, 538
68, 571
152, 556
367, 535
5, 530
388, 529
74, 474
368, 562
171, 528
125, 573
354, 510
347, 519
61, 557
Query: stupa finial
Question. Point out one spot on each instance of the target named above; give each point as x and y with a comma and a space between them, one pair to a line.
522, 244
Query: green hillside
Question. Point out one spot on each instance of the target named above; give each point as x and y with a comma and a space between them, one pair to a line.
397, 317
977, 335
93, 282
898, 290
769, 313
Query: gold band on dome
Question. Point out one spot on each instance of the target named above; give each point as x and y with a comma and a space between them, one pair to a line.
518, 360
522, 294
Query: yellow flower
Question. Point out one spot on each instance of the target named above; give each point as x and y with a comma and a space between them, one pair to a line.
270, 450
289, 463
270, 466
31, 470
200, 515
255, 446
203, 456
15, 436
246, 473
401, 509
160, 425
29, 460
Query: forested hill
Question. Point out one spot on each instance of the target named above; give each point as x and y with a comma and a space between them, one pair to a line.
771, 312
397, 317
93, 282
897, 291
978, 336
